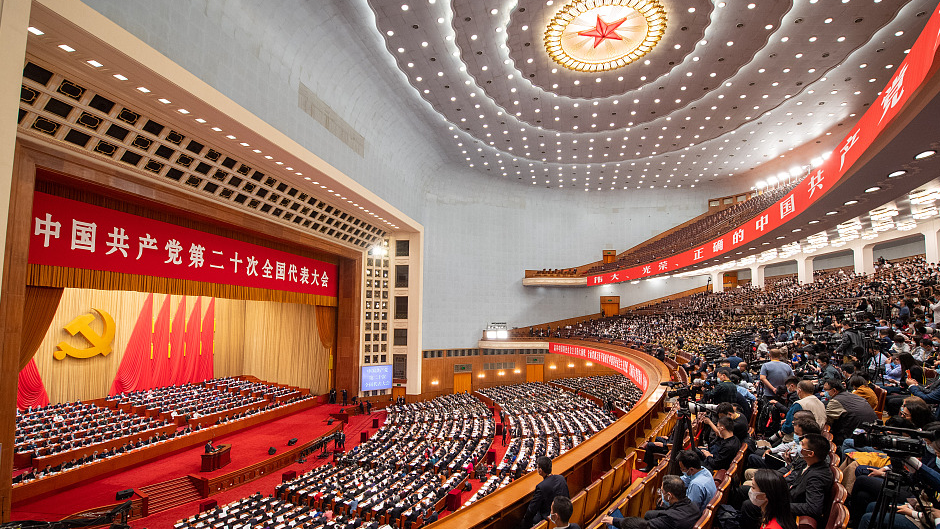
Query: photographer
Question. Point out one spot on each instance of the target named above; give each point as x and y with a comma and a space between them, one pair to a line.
851, 338
827, 371
722, 452
925, 471
725, 391
773, 374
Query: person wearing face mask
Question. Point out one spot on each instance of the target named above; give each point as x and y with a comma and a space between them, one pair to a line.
845, 411
809, 488
806, 401
678, 511
699, 482
866, 488
769, 491
725, 447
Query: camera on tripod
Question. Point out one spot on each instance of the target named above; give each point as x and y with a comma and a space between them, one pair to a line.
896, 442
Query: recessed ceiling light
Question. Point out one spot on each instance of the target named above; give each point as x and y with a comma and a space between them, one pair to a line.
183, 111
200, 120
34, 31
164, 101
217, 129
94, 63
66, 47
832, 213
872, 189
119, 77
897, 173
143, 89
404, 7
925, 154
851, 202
813, 222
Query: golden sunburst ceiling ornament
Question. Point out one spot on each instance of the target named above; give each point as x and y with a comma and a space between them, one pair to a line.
602, 35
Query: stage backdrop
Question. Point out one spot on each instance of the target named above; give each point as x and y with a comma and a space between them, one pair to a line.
276, 342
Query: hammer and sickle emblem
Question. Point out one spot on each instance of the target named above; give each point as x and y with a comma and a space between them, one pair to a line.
81, 325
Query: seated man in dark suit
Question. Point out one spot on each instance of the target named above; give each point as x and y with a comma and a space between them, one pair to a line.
560, 516
679, 512
552, 485
809, 489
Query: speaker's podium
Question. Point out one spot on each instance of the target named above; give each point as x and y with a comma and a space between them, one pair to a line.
216, 459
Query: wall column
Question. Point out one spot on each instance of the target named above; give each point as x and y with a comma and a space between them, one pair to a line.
757, 275
932, 243
864, 257
804, 269
718, 279
14, 19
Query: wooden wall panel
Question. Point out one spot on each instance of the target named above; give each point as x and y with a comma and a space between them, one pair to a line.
463, 382
441, 370
276, 342
535, 373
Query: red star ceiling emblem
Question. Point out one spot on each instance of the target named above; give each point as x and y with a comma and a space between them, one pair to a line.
603, 31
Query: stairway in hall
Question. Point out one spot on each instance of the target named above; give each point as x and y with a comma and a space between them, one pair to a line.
169, 494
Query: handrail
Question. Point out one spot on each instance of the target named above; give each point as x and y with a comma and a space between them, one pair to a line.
505, 507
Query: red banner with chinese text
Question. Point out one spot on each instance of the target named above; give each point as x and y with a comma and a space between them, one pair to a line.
909, 76
611, 360
73, 234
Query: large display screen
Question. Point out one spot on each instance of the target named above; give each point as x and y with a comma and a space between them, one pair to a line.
376, 377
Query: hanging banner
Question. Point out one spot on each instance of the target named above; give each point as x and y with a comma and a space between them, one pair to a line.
907, 79
611, 360
73, 234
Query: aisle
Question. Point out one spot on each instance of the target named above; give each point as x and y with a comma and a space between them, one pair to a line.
265, 485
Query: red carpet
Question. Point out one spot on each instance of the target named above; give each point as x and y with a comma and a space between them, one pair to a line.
248, 447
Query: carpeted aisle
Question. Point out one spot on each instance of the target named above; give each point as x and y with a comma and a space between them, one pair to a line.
248, 447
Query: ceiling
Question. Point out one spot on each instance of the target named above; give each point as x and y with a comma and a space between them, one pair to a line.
735, 93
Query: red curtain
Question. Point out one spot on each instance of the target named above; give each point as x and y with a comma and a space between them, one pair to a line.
134, 371
38, 310
160, 357
177, 334
207, 339
30, 391
191, 344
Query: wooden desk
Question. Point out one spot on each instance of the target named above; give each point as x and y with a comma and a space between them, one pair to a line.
218, 458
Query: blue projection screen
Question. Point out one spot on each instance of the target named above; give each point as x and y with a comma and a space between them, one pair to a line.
376, 377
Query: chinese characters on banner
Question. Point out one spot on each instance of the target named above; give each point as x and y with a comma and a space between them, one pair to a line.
616, 362
77, 235
906, 80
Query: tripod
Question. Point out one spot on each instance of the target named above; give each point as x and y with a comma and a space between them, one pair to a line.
683, 426
892, 494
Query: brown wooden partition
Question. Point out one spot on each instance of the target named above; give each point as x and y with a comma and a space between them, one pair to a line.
581, 466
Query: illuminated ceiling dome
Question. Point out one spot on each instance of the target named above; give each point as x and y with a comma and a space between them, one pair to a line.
597, 36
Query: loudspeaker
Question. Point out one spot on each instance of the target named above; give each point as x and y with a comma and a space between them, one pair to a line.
329, 421
272, 451
292, 442
124, 494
